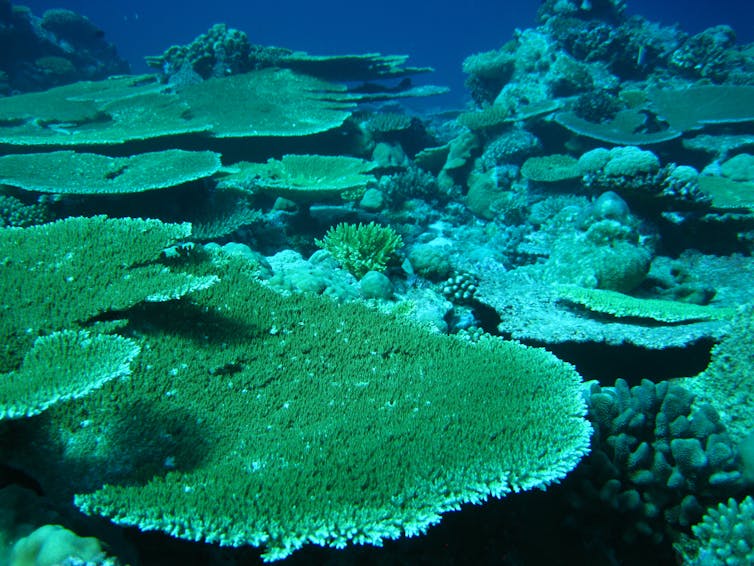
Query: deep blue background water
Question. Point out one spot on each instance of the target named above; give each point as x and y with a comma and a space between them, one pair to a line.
437, 33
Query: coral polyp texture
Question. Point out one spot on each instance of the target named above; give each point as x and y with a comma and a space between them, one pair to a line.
269, 102
70, 172
303, 178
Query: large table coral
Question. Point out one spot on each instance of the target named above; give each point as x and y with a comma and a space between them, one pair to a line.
296, 420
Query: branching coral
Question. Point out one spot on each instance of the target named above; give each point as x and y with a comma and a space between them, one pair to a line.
361, 247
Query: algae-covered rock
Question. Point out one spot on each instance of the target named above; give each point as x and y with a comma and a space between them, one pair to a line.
54, 544
431, 261
376, 285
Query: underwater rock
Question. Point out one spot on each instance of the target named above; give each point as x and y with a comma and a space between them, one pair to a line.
376, 285
60, 48
54, 544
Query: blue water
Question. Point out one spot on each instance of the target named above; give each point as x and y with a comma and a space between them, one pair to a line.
438, 33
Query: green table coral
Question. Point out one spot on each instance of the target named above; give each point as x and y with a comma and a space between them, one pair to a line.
268, 102
303, 178
309, 422
620, 305
61, 275
55, 279
63, 365
71, 172
728, 381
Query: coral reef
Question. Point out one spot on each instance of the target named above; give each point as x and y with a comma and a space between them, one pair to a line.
258, 300
408, 405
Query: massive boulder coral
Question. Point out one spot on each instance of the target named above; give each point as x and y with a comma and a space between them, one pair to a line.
638, 176
54, 544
